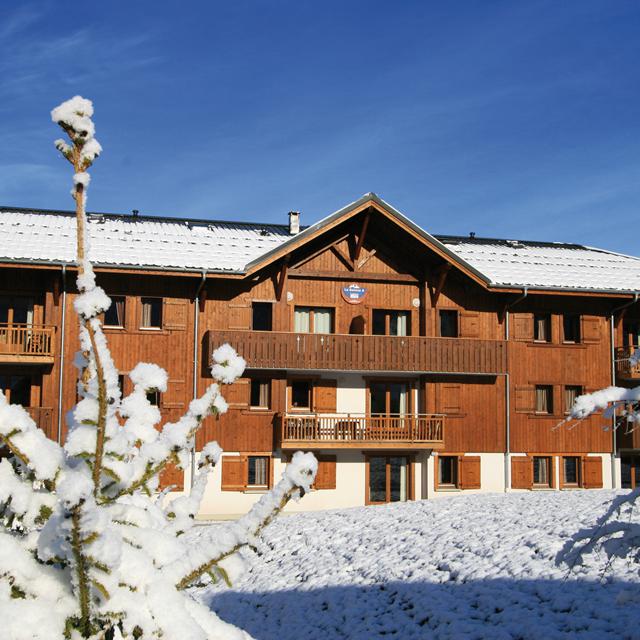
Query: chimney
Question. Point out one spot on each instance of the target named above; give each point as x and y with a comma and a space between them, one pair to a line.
134, 213
294, 222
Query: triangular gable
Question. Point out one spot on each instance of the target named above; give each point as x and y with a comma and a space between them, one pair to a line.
368, 202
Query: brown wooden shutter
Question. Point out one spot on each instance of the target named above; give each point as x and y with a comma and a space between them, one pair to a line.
174, 314
521, 472
469, 472
591, 329
525, 399
450, 402
325, 392
234, 473
592, 473
237, 394
174, 396
326, 476
522, 326
469, 324
240, 314
172, 476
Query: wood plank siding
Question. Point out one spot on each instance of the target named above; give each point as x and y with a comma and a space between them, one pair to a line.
280, 350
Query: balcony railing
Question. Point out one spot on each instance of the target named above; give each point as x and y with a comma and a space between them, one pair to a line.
362, 431
624, 368
279, 350
26, 343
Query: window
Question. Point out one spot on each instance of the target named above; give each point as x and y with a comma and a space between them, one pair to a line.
301, 394
630, 468
544, 398
261, 316
114, 315
631, 333
448, 324
571, 327
571, 392
447, 471
391, 323
571, 470
16, 389
542, 471
258, 471
151, 313
260, 393
16, 310
154, 398
313, 320
389, 398
542, 327
389, 479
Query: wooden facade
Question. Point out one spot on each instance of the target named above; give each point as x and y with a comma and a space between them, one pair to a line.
472, 370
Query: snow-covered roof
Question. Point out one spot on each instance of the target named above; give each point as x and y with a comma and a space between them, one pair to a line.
547, 264
162, 243
178, 244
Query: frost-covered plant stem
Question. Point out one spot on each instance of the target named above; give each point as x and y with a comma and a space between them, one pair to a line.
81, 572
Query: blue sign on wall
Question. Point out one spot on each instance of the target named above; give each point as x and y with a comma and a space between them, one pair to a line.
354, 293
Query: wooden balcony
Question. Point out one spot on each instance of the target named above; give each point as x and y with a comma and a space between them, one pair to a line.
27, 344
360, 431
279, 350
624, 369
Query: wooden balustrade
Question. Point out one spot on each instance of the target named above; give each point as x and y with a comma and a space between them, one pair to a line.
279, 350
361, 431
26, 343
624, 368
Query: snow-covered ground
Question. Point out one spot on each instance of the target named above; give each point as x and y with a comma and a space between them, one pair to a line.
479, 566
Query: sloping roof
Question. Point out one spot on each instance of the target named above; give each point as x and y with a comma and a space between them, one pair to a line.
547, 265
28, 235
161, 243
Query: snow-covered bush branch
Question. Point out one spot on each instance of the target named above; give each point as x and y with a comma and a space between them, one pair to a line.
88, 548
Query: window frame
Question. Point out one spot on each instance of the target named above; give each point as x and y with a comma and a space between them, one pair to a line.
456, 473
387, 313
312, 311
113, 306
579, 389
267, 471
410, 457
143, 299
550, 403
260, 381
454, 313
255, 304
575, 318
563, 476
548, 325
550, 472
389, 381
290, 383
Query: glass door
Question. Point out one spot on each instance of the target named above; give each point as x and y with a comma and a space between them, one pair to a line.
388, 479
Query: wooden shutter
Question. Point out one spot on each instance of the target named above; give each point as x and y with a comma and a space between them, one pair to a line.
591, 329
172, 476
469, 324
525, 399
234, 473
592, 473
469, 472
325, 392
450, 398
326, 476
521, 472
240, 314
238, 394
175, 395
522, 326
174, 314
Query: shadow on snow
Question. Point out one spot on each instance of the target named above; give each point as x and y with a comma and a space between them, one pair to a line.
497, 609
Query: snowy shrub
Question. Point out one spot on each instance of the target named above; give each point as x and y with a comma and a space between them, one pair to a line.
615, 533
88, 549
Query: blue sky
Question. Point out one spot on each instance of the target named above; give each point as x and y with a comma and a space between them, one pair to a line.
510, 119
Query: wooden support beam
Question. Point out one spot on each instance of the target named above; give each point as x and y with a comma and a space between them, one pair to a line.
282, 278
437, 283
424, 291
366, 259
316, 253
202, 299
347, 263
343, 275
362, 236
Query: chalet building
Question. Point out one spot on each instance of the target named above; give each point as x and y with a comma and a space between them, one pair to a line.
414, 366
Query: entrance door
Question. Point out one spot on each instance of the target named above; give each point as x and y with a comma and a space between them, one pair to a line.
388, 479
630, 472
